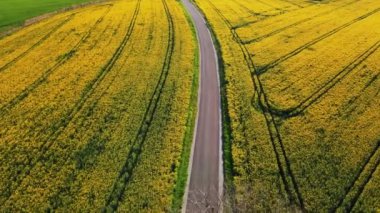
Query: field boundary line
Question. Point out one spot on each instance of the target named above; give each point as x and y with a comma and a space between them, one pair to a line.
40, 18
38, 43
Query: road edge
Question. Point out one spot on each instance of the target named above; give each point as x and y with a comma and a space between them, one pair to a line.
221, 157
192, 120
190, 165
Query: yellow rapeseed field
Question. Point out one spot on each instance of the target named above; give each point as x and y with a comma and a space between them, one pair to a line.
302, 96
94, 106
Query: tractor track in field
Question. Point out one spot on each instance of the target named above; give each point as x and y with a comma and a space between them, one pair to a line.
38, 43
8, 106
43, 26
271, 6
126, 172
253, 13
282, 29
320, 92
88, 111
263, 69
261, 16
292, 3
73, 175
87, 92
267, 4
283, 163
360, 181
264, 17
30, 88
44, 38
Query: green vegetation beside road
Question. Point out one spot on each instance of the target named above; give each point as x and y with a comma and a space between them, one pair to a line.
15, 12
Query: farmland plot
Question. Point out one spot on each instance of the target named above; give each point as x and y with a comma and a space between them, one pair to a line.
302, 90
94, 108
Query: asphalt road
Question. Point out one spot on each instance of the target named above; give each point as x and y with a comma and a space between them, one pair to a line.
203, 193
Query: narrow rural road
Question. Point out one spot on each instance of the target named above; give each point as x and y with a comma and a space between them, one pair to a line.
205, 184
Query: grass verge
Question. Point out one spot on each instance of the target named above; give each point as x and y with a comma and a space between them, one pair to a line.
182, 172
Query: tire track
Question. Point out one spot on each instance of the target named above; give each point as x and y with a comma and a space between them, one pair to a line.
62, 60
269, 5
277, 31
316, 95
261, 16
73, 175
293, 3
355, 189
126, 171
86, 93
32, 31
39, 42
291, 25
93, 105
283, 163
295, 52
258, 14
66, 188
5, 108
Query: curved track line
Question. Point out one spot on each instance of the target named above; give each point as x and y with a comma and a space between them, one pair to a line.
39, 42
126, 172
305, 46
8, 106
62, 60
87, 92
259, 38
360, 181
320, 92
283, 163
